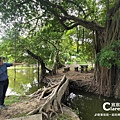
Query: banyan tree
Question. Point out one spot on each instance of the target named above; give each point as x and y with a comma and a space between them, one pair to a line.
102, 17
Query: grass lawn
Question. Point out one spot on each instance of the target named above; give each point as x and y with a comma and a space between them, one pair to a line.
13, 99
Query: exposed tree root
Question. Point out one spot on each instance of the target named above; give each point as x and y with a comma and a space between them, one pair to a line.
52, 96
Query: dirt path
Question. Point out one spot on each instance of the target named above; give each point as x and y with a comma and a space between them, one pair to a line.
20, 108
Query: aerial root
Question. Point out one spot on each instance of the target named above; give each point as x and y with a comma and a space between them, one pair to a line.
52, 96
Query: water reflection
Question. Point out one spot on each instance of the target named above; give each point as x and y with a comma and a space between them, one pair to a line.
87, 105
72, 96
23, 80
10, 92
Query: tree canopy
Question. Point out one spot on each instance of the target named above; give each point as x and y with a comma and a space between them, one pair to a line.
70, 13
51, 17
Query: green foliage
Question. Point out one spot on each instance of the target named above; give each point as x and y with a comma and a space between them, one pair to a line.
110, 55
39, 21
31, 14
12, 49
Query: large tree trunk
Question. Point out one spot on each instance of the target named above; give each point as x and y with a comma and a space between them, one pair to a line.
107, 81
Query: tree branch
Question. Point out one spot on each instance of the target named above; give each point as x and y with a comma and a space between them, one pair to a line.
63, 16
78, 21
37, 58
62, 9
34, 56
80, 8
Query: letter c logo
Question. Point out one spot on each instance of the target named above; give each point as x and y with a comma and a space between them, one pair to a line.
104, 106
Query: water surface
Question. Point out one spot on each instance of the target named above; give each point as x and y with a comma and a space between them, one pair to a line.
90, 107
23, 80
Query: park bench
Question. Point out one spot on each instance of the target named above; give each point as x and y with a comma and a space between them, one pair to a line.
66, 69
84, 68
76, 69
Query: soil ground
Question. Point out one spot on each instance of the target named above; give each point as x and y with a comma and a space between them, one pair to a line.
73, 75
22, 108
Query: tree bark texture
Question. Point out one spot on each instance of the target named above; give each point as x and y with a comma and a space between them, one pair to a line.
107, 81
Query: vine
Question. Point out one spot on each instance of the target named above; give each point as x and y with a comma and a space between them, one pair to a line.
110, 55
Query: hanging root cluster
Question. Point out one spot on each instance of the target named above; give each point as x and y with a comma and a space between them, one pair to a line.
52, 99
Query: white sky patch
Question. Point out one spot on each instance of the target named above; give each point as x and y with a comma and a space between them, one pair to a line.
43, 46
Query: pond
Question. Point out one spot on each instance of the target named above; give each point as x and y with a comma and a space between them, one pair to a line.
23, 80
93, 107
